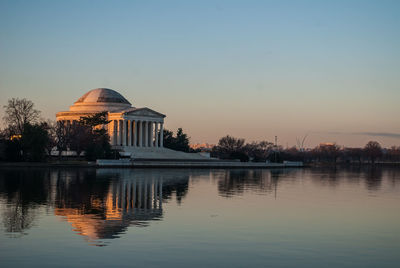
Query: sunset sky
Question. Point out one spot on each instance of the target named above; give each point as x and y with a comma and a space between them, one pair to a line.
251, 69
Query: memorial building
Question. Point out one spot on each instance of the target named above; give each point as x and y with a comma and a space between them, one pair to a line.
130, 127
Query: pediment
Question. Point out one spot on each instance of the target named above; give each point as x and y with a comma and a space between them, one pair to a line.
144, 112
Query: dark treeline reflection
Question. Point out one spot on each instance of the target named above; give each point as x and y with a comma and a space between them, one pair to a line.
370, 176
236, 182
99, 204
24, 191
102, 204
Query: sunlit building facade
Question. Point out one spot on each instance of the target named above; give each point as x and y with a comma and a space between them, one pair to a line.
130, 127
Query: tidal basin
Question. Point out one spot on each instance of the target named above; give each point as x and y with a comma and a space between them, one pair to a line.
319, 217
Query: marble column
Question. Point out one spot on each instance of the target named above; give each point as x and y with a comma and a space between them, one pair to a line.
131, 132
145, 134
120, 129
134, 132
129, 129
161, 134
151, 136
123, 133
156, 134
140, 132
115, 132
110, 131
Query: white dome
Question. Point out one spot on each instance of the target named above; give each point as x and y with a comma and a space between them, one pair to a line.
102, 95
101, 99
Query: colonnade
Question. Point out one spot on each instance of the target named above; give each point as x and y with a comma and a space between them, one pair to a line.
136, 133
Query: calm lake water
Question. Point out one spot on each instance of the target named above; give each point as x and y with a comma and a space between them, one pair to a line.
200, 218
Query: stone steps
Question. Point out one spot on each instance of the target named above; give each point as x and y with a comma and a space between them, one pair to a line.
162, 153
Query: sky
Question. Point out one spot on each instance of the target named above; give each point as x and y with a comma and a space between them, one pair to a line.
251, 69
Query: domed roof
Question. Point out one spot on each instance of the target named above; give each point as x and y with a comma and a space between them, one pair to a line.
99, 100
102, 95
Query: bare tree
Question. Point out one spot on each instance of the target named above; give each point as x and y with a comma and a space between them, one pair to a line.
259, 151
61, 136
393, 154
300, 143
327, 152
373, 150
230, 148
51, 127
230, 144
20, 112
355, 154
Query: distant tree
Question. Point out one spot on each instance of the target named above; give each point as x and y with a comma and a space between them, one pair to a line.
230, 148
293, 154
51, 127
79, 137
372, 151
241, 155
327, 152
62, 136
354, 154
13, 150
259, 151
180, 142
86, 135
2, 134
91, 136
34, 141
229, 144
95, 120
98, 147
168, 141
19, 113
393, 154
333, 152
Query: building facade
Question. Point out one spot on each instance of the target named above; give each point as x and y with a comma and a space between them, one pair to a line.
129, 127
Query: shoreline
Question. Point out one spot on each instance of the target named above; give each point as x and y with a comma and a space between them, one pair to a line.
147, 164
183, 164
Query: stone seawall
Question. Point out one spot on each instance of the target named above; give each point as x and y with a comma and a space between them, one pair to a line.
192, 164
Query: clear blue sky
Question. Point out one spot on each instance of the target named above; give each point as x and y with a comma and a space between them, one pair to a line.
252, 69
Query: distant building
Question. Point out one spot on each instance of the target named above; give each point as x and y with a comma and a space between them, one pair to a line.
202, 146
135, 132
130, 127
326, 144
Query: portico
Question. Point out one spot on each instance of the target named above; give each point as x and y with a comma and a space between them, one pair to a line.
136, 128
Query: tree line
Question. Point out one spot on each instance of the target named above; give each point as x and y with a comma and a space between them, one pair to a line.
229, 147
27, 137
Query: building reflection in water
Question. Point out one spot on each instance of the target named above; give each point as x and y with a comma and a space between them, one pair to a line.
104, 207
99, 204
107, 210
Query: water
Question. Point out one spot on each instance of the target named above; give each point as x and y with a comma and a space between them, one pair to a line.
200, 218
